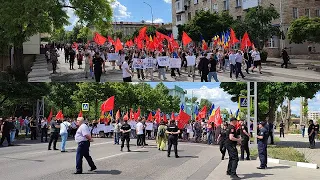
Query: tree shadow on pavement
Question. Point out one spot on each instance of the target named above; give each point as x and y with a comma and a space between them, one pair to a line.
254, 175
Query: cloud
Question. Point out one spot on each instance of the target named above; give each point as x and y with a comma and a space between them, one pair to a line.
158, 20
168, 1
216, 95
120, 11
73, 19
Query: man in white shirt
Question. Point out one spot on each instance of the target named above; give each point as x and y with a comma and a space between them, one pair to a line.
64, 126
256, 60
239, 59
126, 73
133, 124
44, 129
139, 131
83, 138
232, 60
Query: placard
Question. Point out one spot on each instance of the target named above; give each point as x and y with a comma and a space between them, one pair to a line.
149, 63
113, 57
163, 61
137, 63
191, 60
175, 63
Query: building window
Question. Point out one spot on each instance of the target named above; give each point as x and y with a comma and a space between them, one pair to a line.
178, 18
215, 7
270, 43
195, 1
178, 5
238, 3
318, 13
295, 13
307, 12
226, 5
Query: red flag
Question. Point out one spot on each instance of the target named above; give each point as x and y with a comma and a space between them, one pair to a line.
118, 45
237, 125
75, 45
245, 42
50, 116
204, 45
118, 115
125, 117
172, 116
99, 39
233, 37
150, 117
137, 114
165, 118
186, 39
131, 114
216, 118
183, 119
203, 112
142, 33
111, 40
59, 115
80, 114
108, 105
158, 116
127, 43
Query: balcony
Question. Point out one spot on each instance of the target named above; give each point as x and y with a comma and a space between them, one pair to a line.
180, 6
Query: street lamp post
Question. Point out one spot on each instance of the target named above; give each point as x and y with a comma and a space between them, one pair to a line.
151, 10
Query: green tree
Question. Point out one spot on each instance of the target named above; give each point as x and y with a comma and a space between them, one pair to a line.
38, 16
304, 29
271, 95
259, 23
85, 34
205, 102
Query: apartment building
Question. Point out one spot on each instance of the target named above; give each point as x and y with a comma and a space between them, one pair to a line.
314, 115
128, 28
185, 10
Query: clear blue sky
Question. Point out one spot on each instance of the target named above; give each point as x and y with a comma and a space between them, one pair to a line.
136, 11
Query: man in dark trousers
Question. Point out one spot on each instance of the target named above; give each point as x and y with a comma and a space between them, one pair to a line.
271, 129
55, 130
262, 145
204, 68
245, 136
173, 132
83, 138
311, 134
231, 145
282, 129
125, 134
44, 129
5, 130
285, 58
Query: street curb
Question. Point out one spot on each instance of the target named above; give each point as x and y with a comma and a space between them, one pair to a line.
293, 163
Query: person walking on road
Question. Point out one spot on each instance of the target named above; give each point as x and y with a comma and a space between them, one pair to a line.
98, 66
311, 134
262, 145
239, 60
316, 129
44, 130
83, 138
222, 139
54, 60
33, 128
125, 135
54, 136
231, 145
161, 136
13, 130
173, 132
303, 129
5, 131
282, 129
285, 58
64, 126
256, 60
245, 136
72, 54
117, 128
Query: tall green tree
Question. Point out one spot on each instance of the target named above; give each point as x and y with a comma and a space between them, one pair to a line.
23, 19
205, 102
304, 29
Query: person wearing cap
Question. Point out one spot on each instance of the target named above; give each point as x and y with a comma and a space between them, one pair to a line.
231, 145
311, 134
125, 134
262, 145
83, 138
173, 132
245, 136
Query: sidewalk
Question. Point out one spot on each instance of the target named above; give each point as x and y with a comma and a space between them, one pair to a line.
248, 170
306, 64
302, 144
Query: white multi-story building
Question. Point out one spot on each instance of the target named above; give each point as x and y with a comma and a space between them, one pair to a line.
179, 92
313, 115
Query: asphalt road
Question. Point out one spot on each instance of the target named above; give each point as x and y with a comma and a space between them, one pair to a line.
29, 160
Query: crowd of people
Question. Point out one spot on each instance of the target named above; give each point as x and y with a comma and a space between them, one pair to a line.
208, 64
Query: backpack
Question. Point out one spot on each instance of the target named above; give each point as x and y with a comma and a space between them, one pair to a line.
161, 132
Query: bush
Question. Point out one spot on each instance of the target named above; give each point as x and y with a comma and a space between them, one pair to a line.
264, 56
295, 131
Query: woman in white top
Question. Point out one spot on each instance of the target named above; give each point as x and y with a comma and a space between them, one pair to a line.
256, 60
121, 59
87, 64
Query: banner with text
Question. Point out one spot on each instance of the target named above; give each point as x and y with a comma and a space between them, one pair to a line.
191, 60
113, 57
175, 63
149, 63
137, 63
163, 61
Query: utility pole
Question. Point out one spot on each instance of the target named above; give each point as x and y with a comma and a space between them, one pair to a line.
151, 10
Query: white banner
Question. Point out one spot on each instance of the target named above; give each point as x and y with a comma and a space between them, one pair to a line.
163, 61
149, 63
191, 60
175, 63
137, 63
113, 57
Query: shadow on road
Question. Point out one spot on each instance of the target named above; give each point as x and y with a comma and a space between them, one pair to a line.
279, 167
294, 144
34, 160
189, 156
112, 172
255, 175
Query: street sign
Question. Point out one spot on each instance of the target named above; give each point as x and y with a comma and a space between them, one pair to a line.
243, 102
85, 107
